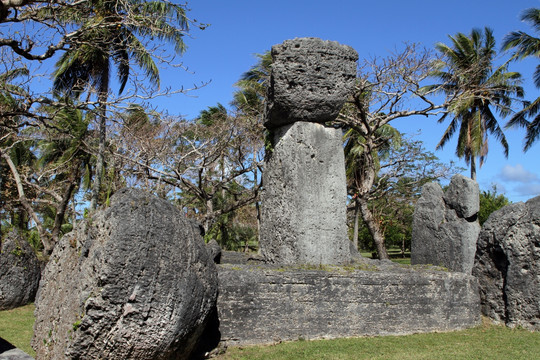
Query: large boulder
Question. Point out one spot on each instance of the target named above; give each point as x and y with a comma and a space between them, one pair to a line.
507, 265
19, 272
445, 225
133, 281
311, 80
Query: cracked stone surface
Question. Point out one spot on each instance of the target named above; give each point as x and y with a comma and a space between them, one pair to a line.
303, 217
311, 79
287, 303
445, 225
507, 265
20, 272
134, 281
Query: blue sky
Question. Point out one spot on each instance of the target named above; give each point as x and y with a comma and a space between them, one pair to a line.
241, 28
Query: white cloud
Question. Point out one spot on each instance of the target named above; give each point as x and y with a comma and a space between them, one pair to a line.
518, 174
529, 190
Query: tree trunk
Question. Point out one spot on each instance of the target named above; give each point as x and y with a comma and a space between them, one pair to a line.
209, 210
257, 184
100, 161
61, 210
473, 168
48, 245
374, 228
356, 221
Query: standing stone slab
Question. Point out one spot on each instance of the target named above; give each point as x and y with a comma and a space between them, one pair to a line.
20, 272
133, 281
303, 218
507, 265
310, 81
445, 225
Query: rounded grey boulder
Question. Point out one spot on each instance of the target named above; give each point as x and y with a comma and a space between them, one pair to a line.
507, 265
19, 272
134, 281
311, 80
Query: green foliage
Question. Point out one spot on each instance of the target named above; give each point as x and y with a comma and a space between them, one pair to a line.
235, 230
476, 91
404, 170
76, 325
490, 201
34, 241
525, 45
17, 251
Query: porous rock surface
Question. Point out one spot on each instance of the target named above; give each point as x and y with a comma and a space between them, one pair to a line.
268, 304
9, 352
310, 81
19, 272
445, 226
303, 212
214, 251
15, 354
133, 281
507, 265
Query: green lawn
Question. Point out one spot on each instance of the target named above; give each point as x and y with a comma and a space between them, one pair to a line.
484, 342
395, 256
16, 327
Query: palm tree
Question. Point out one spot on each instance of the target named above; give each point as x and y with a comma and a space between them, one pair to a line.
524, 46
64, 160
252, 86
111, 39
474, 89
363, 153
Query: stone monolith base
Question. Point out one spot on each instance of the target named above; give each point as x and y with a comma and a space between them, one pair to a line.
304, 199
261, 305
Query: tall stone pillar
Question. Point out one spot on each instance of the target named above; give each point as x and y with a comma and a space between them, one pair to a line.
303, 217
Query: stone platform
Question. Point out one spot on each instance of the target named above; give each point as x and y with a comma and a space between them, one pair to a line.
261, 304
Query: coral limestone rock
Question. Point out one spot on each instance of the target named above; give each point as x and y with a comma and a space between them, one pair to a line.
19, 272
507, 265
311, 80
134, 281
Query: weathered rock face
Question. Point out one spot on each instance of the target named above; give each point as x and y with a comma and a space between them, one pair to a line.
303, 213
214, 251
261, 305
310, 81
19, 272
132, 282
507, 265
445, 226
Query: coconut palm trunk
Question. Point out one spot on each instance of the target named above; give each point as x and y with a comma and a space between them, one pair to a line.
102, 138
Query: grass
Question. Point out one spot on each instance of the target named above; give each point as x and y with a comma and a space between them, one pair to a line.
395, 256
16, 326
484, 342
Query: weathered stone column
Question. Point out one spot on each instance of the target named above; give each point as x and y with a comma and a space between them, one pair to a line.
304, 198
445, 226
